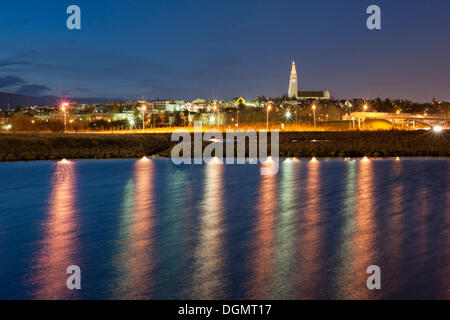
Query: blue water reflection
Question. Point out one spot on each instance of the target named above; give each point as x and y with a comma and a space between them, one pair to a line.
146, 229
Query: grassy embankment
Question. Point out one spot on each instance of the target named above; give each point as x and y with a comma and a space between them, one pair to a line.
15, 147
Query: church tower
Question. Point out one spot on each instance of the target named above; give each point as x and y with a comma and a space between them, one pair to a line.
293, 85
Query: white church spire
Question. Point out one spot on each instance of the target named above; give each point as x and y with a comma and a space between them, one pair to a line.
293, 84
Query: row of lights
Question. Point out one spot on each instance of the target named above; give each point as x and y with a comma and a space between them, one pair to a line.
269, 160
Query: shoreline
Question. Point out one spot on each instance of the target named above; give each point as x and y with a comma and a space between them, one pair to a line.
328, 144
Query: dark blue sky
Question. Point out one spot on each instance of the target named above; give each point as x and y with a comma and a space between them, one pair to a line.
223, 49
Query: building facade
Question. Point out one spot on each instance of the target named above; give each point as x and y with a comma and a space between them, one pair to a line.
293, 83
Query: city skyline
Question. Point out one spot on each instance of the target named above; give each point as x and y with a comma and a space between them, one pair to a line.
142, 51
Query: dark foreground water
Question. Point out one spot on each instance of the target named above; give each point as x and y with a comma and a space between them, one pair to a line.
151, 230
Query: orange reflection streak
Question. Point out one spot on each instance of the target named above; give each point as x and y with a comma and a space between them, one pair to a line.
59, 248
209, 255
310, 234
140, 256
363, 252
262, 261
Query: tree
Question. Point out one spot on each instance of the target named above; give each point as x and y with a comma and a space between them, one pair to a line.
178, 122
262, 99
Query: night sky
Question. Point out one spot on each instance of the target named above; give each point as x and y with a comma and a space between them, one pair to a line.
224, 49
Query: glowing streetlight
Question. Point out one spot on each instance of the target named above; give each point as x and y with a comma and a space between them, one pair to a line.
288, 114
64, 107
215, 110
437, 129
314, 112
269, 107
144, 108
365, 107
296, 120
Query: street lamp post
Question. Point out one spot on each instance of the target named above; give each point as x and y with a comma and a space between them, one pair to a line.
364, 115
215, 115
314, 114
64, 107
144, 108
269, 107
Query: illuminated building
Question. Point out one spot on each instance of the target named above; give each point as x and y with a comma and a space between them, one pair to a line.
293, 84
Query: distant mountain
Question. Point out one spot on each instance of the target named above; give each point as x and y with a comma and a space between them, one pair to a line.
24, 101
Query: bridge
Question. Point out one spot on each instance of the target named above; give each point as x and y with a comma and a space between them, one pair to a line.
406, 119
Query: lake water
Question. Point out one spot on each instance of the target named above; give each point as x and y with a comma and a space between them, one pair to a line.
152, 230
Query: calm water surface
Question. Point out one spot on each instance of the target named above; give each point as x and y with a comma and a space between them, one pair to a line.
152, 230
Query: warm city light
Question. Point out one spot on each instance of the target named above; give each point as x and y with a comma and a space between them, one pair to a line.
288, 114
437, 129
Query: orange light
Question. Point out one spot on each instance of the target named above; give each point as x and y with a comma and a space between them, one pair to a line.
314, 107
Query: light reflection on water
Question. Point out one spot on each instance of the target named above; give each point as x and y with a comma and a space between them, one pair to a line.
59, 247
263, 241
209, 282
148, 229
135, 259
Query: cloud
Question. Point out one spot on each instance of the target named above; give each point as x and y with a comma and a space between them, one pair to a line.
32, 89
25, 58
9, 81
13, 62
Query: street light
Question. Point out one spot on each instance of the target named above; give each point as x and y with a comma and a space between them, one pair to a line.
365, 107
296, 120
64, 107
288, 114
144, 108
314, 112
269, 107
215, 110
